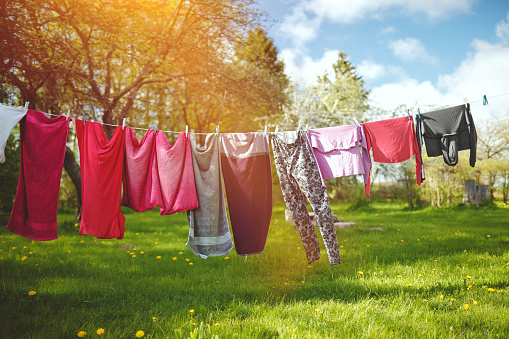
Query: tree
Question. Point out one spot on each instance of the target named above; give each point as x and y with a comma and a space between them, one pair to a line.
151, 61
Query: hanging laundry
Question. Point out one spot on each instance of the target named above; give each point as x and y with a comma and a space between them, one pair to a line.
245, 162
447, 131
158, 174
42, 152
297, 170
209, 233
337, 152
101, 164
392, 141
9, 118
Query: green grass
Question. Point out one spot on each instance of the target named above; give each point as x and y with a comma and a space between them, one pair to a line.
83, 283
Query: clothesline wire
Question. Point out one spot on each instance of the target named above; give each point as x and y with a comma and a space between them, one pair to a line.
146, 129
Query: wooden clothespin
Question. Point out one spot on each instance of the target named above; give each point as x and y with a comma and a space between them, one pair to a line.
265, 131
155, 130
277, 129
187, 130
408, 113
466, 101
68, 114
217, 129
84, 118
123, 123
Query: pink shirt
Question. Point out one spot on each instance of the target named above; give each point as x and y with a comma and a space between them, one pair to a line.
337, 152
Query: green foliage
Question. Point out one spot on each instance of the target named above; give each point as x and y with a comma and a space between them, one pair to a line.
9, 173
390, 289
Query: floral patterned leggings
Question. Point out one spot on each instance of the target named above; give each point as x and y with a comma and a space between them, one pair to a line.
296, 167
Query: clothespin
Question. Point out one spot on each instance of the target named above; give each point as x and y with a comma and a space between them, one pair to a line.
68, 114
484, 100
298, 127
419, 112
187, 130
466, 101
26, 106
123, 123
155, 130
306, 127
217, 129
265, 131
277, 129
408, 113
84, 118
356, 121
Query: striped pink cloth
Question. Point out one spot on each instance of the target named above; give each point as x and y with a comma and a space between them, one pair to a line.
158, 174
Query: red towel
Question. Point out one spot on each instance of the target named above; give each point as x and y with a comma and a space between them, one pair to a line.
42, 151
158, 174
101, 164
393, 140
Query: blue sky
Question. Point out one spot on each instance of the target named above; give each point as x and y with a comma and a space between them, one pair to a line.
419, 53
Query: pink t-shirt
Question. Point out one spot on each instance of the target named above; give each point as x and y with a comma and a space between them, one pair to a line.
337, 152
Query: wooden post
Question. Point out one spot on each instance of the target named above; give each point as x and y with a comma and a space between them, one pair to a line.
470, 193
482, 193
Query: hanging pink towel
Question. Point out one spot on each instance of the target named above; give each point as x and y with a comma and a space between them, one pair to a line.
101, 164
392, 141
245, 163
42, 151
158, 174
337, 152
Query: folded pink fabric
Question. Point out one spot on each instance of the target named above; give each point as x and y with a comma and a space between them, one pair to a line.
101, 162
42, 151
337, 152
158, 174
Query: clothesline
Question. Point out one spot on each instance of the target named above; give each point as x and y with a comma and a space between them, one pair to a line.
176, 132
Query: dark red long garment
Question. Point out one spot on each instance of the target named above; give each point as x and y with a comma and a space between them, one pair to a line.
101, 164
392, 141
245, 162
42, 151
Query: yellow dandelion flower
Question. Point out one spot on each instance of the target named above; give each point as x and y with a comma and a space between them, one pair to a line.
433, 269
362, 279
217, 324
455, 233
155, 243
469, 287
302, 281
452, 299
491, 289
1, 258
489, 236
194, 324
399, 276
401, 240
134, 255
181, 252
81, 334
367, 245
137, 234
155, 232
187, 259
142, 252
309, 266
135, 249
316, 310
441, 296
102, 242
226, 258
475, 303
154, 318
140, 334
418, 239
158, 257
24, 247
419, 275
100, 331
360, 272
409, 285
191, 311
469, 277
14, 248
465, 306
75, 224
298, 248
32, 293
30, 252
82, 241
24, 258
191, 264
340, 246
174, 258
286, 284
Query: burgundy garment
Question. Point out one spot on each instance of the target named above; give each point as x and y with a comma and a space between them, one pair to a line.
158, 174
42, 152
245, 163
101, 164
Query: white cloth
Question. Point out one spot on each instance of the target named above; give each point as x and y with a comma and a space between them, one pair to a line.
9, 118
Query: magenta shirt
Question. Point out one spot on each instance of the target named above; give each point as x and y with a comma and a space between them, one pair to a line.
337, 151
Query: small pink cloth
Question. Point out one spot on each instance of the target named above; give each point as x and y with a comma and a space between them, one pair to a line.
42, 150
101, 162
337, 152
158, 174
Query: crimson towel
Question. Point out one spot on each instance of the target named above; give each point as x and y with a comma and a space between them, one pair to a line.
101, 164
42, 151
157, 174
245, 163
393, 140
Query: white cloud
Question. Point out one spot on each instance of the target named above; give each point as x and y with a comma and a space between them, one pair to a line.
371, 71
304, 71
388, 30
483, 72
300, 28
411, 49
502, 30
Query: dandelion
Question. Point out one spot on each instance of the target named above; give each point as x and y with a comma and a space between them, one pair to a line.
418, 239
399, 276
142, 252
30, 252
174, 258
455, 233
360, 273
100, 331
191, 264
82, 334
489, 236
433, 269
475, 303
187, 259
367, 245
309, 266
102, 242
24, 258
340, 246
140, 334
82, 241
408, 285
32, 293
419, 275
158, 257
226, 258
452, 299
435, 260
491, 289
362, 279
181, 252
401, 240
316, 310
155, 243
298, 248
191, 311
469, 287
137, 234
302, 282
469, 277
134, 255
14, 248
75, 224
465, 306
154, 318
441, 296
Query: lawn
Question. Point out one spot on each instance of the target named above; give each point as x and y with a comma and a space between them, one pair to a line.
429, 273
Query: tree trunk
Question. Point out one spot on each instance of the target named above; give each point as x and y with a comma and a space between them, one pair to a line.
73, 170
470, 192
